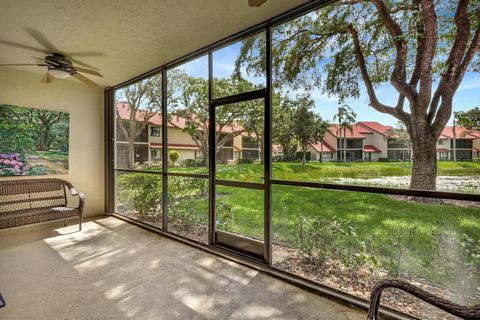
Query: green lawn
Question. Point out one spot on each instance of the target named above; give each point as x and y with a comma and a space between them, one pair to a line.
315, 171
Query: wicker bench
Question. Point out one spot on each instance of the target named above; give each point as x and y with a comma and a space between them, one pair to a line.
36, 200
463, 312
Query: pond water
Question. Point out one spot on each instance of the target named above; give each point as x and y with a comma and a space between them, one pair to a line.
469, 184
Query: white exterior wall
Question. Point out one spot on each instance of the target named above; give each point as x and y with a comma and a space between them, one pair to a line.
314, 154
176, 136
379, 141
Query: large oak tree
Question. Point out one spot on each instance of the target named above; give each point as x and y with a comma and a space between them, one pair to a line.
422, 47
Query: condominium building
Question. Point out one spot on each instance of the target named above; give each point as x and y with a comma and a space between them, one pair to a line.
235, 142
373, 141
363, 141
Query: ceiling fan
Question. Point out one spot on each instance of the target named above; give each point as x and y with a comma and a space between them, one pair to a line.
59, 66
256, 3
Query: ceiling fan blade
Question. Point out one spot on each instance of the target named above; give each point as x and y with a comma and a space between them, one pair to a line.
47, 78
256, 3
77, 62
92, 72
22, 46
86, 80
42, 39
42, 59
20, 64
85, 54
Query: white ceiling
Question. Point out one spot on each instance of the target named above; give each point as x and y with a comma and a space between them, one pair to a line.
123, 38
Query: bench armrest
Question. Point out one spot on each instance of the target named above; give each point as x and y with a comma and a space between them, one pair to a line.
81, 198
464, 312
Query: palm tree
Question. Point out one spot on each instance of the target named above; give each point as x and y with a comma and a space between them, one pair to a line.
346, 118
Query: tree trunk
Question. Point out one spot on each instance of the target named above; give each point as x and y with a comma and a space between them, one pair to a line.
341, 142
205, 154
410, 152
131, 154
424, 171
454, 141
262, 150
304, 156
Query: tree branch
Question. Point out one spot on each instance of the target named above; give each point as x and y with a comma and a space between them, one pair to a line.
420, 48
438, 116
474, 46
399, 74
368, 83
427, 53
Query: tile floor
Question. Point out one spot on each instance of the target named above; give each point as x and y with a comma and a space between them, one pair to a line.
115, 270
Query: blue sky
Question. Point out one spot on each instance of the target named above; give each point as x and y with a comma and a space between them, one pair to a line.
467, 96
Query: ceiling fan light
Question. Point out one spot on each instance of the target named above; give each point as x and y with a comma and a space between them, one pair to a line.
59, 73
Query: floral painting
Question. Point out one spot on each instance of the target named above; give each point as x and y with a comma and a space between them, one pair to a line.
33, 141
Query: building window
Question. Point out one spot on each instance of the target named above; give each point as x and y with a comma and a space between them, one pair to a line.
155, 154
155, 131
462, 144
463, 155
251, 154
394, 144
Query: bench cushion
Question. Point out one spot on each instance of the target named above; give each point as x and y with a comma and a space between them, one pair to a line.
22, 217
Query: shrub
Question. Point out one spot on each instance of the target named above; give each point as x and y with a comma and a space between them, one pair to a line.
321, 239
225, 216
194, 163
455, 257
383, 159
395, 248
173, 156
183, 194
141, 192
244, 161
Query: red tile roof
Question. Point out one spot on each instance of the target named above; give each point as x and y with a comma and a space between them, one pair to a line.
357, 132
475, 133
368, 148
326, 147
375, 126
155, 118
460, 133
